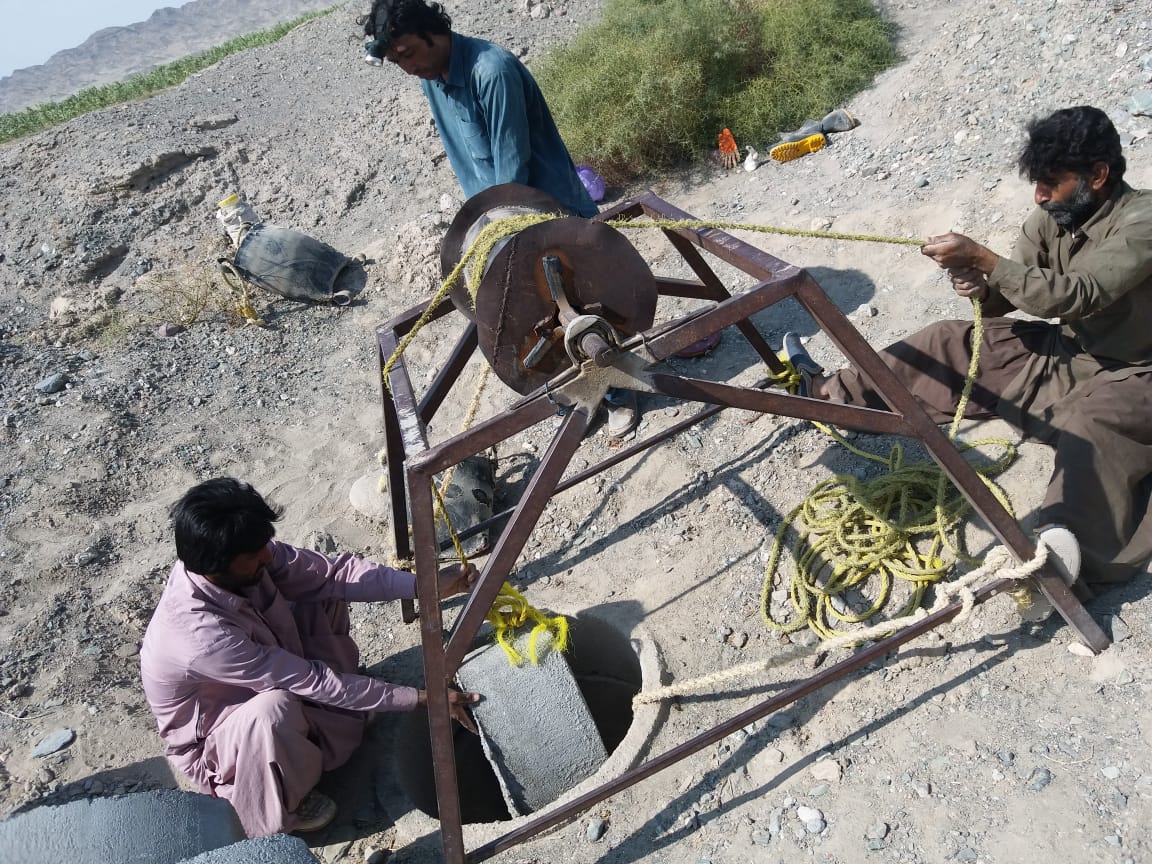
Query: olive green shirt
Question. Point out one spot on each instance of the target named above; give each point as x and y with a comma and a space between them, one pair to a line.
1096, 280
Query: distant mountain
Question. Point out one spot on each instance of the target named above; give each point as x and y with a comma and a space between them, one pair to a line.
115, 53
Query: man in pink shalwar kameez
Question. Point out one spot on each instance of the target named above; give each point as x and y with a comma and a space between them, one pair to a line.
248, 665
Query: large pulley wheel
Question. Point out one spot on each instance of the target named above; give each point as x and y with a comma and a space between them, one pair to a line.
519, 323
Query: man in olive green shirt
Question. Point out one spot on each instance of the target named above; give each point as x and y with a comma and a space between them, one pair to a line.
1083, 384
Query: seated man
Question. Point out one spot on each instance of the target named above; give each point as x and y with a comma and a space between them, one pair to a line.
1082, 384
248, 665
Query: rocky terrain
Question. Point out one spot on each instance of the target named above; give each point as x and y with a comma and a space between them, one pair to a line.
170, 33
992, 742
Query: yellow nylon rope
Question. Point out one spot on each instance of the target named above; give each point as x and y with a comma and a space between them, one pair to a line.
850, 531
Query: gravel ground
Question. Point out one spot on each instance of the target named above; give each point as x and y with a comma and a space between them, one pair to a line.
990, 742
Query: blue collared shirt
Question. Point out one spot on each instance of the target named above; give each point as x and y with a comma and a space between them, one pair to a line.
496, 127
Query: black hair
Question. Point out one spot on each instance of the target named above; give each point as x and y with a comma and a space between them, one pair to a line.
389, 19
219, 519
1071, 139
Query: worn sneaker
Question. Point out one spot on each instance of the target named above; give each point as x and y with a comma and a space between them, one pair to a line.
1064, 554
316, 811
623, 413
790, 150
802, 362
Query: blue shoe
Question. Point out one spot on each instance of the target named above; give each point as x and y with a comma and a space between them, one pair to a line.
802, 362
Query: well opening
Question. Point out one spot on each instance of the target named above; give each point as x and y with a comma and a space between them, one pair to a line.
608, 672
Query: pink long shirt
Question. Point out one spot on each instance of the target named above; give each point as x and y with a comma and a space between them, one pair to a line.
208, 650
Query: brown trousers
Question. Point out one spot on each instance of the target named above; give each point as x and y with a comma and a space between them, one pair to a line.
1099, 424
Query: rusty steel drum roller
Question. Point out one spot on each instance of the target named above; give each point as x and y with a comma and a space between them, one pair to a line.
543, 279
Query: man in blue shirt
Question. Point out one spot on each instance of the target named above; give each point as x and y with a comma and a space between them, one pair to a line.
493, 120
492, 117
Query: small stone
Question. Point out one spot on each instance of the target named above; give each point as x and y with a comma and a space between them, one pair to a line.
53, 742
597, 828
922, 788
1140, 103
212, 121
168, 330
875, 845
54, 383
877, 831
1080, 650
820, 223
1039, 779
967, 854
128, 649
1111, 772
920, 181
739, 639
1114, 840
819, 791
811, 818
367, 498
760, 837
1117, 628
828, 770
88, 556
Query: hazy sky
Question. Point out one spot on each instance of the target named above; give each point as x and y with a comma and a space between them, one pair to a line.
34, 30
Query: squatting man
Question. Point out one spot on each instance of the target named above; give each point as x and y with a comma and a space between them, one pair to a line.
1082, 384
248, 665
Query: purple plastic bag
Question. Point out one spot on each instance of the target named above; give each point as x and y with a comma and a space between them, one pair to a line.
592, 181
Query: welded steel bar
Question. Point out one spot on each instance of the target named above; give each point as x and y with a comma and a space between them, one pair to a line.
668, 286
1002, 523
782, 404
616, 458
753, 261
734, 310
485, 434
436, 675
399, 386
720, 292
449, 374
395, 448
536, 496
717, 733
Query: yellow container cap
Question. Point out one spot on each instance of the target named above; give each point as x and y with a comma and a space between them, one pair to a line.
229, 201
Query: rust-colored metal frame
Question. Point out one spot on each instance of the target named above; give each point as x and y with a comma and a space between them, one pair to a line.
413, 463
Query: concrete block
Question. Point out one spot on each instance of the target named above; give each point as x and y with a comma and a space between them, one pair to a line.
145, 828
277, 849
534, 723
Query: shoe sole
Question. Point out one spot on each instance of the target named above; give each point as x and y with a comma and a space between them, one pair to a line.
795, 149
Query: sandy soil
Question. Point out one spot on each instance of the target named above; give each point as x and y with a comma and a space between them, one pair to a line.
992, 742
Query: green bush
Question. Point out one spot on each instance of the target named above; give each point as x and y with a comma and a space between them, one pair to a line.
40, 117
653, 83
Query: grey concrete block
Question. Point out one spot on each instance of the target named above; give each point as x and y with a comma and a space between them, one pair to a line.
536, 727
145, 828
277, 849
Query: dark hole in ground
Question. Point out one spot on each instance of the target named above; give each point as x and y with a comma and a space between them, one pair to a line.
608, 674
